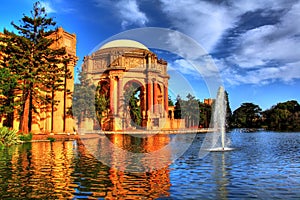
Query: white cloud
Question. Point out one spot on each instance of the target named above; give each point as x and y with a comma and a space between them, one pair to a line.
184, 46
48, 7
287, 73
57, 6
243, 6
202, 20
202, 67
183, 67
127, 11
130, 13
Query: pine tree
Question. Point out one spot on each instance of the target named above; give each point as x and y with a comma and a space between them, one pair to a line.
30, 55
8, 83
85, 99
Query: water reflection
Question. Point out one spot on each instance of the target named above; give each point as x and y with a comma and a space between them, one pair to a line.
220, 175
38, 170
67, 170
132, 153
264, 165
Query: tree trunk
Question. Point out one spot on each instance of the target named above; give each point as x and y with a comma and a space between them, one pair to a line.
52, 111
24, 122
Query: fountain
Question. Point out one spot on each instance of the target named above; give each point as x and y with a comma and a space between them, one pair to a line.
219, 120
216, 141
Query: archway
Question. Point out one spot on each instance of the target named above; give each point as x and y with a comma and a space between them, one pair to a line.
102, 102
134, 105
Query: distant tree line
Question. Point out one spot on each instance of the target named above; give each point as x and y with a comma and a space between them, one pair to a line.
280, 117
196, 113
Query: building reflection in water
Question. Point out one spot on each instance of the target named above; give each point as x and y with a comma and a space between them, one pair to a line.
125, 182
41, 170
64, 170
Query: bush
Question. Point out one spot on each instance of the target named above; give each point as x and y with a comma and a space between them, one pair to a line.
8, 136
51, 139
26, 137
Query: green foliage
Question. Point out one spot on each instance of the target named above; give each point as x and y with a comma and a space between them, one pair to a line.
29, 58
170, 102
8, 137
195, 113
83, 105
228, 111
51, 139
131, 102
102, 101
191, 112
283, 117
26, 137
8, 84
177, 109
205, 115
248, 115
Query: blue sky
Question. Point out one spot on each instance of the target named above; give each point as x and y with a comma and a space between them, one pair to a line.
254, 44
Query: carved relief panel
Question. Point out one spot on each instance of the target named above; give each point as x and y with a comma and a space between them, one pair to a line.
131, 62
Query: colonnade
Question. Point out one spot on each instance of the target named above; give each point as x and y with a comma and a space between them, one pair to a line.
153, 97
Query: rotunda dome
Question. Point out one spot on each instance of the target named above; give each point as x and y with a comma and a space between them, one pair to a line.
123, 43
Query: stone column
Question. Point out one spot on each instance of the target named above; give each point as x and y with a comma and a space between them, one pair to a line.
155, 103
149, 61
120, 95
111, 94
166, 98
149, 98
144, 98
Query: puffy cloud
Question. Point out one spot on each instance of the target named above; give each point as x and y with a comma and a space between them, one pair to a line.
48, 7
131, 14
57, 6
195, 60
127, 10
287, 73
202, 20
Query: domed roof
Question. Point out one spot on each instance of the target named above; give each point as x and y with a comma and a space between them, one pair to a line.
124, 43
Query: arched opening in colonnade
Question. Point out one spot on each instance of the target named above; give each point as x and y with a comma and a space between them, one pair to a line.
102, 104
134, 109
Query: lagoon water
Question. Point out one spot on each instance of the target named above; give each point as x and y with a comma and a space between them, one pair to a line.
264, 165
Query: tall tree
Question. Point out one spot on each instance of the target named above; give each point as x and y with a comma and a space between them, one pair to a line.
191, 111
228, 110
205, 114
39, 66
8, 84
170, 102
177, 110
85, 100
248, 115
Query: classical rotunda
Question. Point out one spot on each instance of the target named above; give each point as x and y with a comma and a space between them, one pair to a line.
133, 83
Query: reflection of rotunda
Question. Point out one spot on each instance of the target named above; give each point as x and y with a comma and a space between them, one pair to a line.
133, 81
